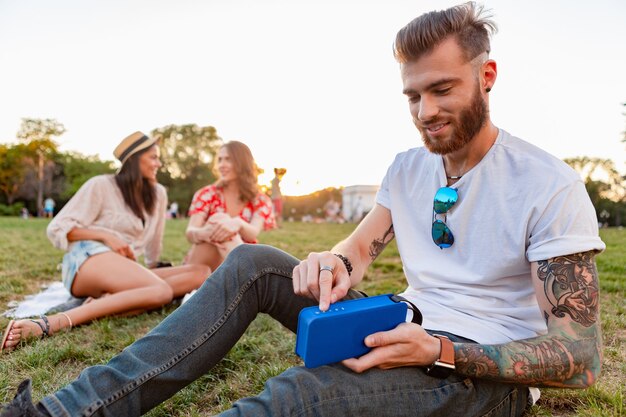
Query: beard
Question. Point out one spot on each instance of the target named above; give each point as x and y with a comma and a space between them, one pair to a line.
471, 119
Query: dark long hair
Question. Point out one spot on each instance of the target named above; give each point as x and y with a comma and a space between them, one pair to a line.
245, 167
139, 193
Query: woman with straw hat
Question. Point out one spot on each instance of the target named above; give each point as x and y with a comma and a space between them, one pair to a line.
107, 224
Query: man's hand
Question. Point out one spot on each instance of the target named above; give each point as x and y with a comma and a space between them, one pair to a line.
406, 345
324, 286
117, 245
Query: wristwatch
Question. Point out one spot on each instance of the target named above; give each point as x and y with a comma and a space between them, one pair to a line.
444, 366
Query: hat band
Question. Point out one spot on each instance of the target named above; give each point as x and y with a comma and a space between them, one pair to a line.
132, 147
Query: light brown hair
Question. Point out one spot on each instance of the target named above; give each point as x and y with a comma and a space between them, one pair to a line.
245, 167
467, 22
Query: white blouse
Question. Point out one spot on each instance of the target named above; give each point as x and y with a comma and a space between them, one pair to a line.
99, 205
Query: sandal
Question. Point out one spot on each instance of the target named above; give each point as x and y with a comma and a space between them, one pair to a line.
5, 336
45, 327
45, 330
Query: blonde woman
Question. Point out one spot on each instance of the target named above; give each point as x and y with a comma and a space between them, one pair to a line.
229, 212
108, 223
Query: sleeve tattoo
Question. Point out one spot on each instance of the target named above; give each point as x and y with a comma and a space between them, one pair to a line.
378, 245
571, 286
570, 354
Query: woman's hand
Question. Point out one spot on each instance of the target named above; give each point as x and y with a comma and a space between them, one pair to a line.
224, 227
117, 245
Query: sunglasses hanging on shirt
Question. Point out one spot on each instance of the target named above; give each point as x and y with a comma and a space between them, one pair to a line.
444, 199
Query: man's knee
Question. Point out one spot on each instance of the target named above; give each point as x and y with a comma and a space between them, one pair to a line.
261, 258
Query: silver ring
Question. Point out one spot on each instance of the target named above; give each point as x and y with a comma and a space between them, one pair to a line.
326, 268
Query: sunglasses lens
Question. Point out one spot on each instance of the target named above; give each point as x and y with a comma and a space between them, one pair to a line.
442, 236
445, 198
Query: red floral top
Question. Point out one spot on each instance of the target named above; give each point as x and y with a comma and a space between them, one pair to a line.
209, 200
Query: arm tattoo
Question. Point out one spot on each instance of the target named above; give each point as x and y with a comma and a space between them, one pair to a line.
571, 286
570, 354
378, 245
547, 361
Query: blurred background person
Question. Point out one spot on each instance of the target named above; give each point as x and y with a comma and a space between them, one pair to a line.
276, 195
173, 210
48, 207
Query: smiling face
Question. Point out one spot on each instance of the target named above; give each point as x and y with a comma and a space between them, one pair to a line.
150, 162
225, 166
445, 93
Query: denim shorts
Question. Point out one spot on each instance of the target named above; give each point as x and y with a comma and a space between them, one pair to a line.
78, 253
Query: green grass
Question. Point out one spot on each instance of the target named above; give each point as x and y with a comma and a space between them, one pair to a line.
27, 260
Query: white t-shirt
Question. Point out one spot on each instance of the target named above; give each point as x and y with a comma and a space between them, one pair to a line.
518, 205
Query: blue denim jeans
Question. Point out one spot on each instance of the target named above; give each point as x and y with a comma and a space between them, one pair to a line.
188, 343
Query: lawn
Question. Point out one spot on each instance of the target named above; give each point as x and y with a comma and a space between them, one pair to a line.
27, 261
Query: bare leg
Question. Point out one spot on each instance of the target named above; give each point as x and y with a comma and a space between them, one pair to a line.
227, 247
131, 288
204, 254
184, 278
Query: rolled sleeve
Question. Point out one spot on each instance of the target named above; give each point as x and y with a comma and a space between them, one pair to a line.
567, 225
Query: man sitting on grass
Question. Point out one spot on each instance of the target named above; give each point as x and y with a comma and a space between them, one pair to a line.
497, 240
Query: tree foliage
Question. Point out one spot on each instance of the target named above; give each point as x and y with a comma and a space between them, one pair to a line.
605, 186
37, 135
187, 152
310, 204
600, 170
12, 170
77, 169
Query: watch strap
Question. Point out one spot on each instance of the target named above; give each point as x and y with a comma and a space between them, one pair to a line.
447, 350
443, 366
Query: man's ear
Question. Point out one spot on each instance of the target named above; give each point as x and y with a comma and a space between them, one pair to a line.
489, 73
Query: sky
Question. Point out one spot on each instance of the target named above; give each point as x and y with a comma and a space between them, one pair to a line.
311, 86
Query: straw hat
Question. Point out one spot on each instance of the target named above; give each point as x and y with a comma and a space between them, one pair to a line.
132, 144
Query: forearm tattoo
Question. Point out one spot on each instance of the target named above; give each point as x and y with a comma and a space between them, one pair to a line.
570, 354
378, 245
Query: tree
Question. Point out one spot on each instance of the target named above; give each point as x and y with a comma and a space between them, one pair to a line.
37, 135
77, 169
310, 204
187, 152
604, 184
12, 170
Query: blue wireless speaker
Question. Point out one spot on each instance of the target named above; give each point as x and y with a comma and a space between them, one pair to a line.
339, 333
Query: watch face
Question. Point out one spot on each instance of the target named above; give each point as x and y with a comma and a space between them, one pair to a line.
438, 371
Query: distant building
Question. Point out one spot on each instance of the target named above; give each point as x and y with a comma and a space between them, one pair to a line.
357, 201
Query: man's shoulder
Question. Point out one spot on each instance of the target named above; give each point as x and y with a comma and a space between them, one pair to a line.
532, 158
